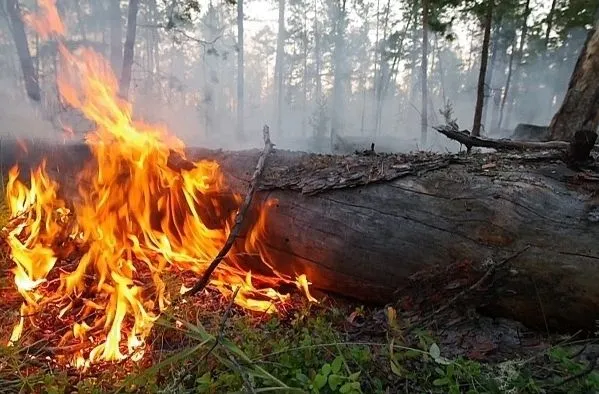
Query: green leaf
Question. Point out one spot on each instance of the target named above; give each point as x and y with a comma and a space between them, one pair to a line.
346, 388
336, 365
354, 375
326, 369
335, 381
355, 385
435, 353
320, 381
396, 368
441, 382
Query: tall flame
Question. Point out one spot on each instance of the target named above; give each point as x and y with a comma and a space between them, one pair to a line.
134, 218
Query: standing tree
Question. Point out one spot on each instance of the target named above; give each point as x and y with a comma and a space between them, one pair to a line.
279, 66
125, 82
580, 108
339, 78
480, 97
20, 38
424, 82
116, 35
240, 70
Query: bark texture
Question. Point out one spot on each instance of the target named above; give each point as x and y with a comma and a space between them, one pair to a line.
422, 228
580, 108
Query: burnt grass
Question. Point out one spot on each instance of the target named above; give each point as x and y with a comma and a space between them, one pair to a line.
207, 345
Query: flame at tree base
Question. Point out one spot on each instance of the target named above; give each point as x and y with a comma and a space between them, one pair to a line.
96, 263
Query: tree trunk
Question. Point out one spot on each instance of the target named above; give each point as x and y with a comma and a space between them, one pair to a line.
411, 232
580, 108
339, 71
279, 67
240, 69
116, 35
518, 59
480, 97
506, 89
125, 82
20, 38
549, 22
424, 81
489, 91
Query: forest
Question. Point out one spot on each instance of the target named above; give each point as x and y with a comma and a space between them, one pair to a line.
314, 196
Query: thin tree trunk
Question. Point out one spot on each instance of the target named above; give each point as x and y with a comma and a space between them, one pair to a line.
305, 75
489, 77
580, 108
116, 35
383, 76
240, 69
518, 68
478, 111
129, 48
339, 77
549, 23
279, 66
17, 28
506, 90
424, 82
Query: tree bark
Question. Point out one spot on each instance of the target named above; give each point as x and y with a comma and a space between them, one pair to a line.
383, 228
580, 108
480, 97
240, 69
17, 28
116, 35
129, 47
424, 81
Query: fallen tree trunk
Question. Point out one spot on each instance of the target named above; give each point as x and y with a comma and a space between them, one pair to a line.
422, 228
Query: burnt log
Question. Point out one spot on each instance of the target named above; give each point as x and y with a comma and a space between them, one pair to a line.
419, 229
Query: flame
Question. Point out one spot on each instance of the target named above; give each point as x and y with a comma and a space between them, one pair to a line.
47, 22
134, 218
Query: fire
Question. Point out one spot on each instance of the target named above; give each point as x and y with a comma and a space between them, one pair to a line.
99, 259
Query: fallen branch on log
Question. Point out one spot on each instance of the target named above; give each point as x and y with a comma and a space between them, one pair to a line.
464, 138
236, 230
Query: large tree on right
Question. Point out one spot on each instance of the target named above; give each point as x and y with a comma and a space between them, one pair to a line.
580, 108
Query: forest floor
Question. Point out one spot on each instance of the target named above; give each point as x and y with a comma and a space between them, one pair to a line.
205, 345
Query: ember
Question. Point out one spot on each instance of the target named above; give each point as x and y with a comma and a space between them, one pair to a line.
96, 263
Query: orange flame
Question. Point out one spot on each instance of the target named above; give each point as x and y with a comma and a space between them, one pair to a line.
47, 22
134, 218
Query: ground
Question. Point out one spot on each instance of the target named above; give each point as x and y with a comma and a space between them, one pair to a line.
205, 345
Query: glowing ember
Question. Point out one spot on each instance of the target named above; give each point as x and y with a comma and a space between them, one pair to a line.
98, 261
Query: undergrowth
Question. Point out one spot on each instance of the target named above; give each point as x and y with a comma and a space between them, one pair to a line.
305, 352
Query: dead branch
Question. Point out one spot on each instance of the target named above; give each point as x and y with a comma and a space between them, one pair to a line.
201, 284
464, 138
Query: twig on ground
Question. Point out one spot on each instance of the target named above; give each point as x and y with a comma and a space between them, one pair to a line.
203, 281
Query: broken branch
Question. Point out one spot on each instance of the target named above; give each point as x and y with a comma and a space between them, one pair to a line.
464, 138
201, 284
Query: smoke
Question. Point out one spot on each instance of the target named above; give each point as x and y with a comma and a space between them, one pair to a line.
185, 78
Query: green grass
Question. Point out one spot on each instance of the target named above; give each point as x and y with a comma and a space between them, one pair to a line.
306, 351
